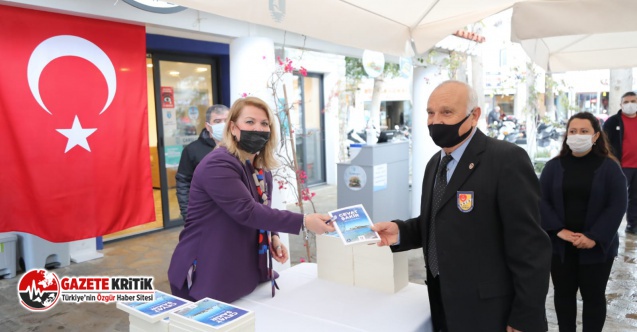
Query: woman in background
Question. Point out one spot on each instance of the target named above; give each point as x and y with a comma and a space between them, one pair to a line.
223, 249
584, 199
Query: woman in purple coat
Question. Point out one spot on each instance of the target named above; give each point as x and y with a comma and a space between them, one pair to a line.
223, 247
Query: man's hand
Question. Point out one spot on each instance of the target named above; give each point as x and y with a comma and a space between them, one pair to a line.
582, 241
388, 232
510, 329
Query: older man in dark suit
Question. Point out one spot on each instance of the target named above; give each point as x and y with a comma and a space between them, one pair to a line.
488, 259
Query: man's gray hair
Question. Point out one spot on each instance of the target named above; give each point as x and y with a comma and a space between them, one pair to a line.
472, 95
216, 109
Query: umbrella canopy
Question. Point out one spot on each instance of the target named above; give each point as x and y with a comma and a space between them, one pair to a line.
564, 35
380, 25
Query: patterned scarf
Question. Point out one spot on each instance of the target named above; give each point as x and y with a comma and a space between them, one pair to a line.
265, 257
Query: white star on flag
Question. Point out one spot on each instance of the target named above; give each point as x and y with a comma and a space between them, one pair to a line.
77, 135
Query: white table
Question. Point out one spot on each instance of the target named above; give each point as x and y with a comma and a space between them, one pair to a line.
306, 303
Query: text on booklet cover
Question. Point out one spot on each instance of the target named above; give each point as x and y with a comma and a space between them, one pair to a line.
354, 225
163, 302
212, 313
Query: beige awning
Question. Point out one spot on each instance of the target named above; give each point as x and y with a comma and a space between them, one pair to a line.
565, 35
387, 26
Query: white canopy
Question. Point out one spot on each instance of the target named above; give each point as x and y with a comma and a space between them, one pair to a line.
388, 26
564, 35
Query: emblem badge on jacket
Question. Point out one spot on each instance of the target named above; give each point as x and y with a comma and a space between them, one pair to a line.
465, 201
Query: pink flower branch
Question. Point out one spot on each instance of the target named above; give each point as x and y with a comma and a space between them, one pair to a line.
290, 175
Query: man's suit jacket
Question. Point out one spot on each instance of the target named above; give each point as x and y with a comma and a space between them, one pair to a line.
494, 258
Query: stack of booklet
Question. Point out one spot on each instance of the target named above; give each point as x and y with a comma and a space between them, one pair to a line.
346, 257
153, 315
335, 251
212, 315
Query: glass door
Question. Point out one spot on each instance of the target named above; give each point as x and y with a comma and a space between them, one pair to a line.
309, 126
184, 89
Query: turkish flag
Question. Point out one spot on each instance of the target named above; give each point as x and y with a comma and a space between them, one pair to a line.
74, 137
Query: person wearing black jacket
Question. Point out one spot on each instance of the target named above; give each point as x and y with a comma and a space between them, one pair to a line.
494, 116
621, 129
488, 260
194, 152
583, 202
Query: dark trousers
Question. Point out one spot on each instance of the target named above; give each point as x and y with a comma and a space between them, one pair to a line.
591, 280
435, 303
631, 213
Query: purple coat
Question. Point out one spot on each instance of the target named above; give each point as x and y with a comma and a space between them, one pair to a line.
221, 230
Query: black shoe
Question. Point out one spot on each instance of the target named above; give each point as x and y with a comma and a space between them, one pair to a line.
631, 230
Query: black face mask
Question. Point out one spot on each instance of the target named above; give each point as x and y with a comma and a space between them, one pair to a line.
253, 141
446, 136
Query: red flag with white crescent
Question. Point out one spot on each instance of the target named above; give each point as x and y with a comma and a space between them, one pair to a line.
74, 137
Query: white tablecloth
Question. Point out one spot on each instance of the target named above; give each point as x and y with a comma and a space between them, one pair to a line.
305, 303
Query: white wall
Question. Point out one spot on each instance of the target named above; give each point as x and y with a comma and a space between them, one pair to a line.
189, 23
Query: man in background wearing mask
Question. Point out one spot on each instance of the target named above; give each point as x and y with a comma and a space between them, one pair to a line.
488, 260
208, 139
621, 129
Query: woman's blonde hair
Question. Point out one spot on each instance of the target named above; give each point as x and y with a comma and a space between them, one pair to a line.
265, 158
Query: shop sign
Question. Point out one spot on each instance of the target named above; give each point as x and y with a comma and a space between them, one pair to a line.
167, 97
406, 68
161, 7
373, 63
355, 177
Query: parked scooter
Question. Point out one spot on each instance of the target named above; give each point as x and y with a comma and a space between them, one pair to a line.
403, 132
508, 131
546, 133
493, 129
356, 137
521, 133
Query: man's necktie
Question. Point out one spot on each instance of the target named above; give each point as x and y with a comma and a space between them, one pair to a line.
439, 190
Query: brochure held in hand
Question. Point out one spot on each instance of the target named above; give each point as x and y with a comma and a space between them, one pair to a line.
353, 225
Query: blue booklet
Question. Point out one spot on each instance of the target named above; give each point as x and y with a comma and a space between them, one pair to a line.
153, 310
354, 225
210, 313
